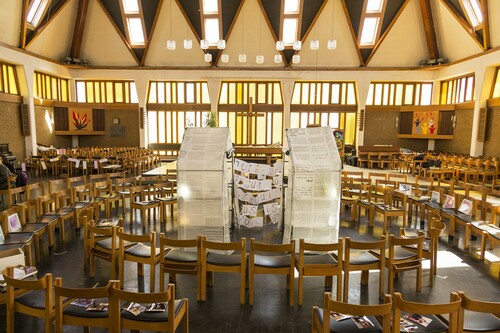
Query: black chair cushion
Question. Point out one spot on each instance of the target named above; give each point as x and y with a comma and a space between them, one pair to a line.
435, 326
182, 256
279, 261
361, 257
480, 322
33, 299
400, 253
464, 217
319, 259
223, 259
141, 250
65, 211
47, 218
348, 325
33, 227
18, 237
79, 311
106, 243
152, 316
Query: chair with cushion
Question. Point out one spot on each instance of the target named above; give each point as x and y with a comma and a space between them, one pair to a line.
399, 259
223, 257
103, 244
320, 260
394, 206
432, 312
174, 315
478, 316
33, 297
358, 257
143, 252
180, 256
142, 199
272, 259
69, 313
324, 319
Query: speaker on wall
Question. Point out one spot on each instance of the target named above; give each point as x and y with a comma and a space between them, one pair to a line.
481, 131
25, 120
142, 117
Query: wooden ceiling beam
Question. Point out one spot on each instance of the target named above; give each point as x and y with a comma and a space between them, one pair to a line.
486, 25
430, 30
24, 14
81, 16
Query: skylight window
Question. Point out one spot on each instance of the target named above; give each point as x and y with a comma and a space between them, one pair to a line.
130, 7
134, 22
290, 21
371, 18
212, 21
474, 13
36, 11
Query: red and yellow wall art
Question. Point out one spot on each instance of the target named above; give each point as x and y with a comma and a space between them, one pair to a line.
425, 122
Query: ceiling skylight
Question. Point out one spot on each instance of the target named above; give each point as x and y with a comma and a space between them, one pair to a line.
290, 21
212, 21
474, 13
36, 11
371, 18
134, 22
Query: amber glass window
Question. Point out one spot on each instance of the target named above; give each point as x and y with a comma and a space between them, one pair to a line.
457, 90
110, 91
399, 93
173, 106
495, 92
51, 87
319, 103
8, 79
253, 111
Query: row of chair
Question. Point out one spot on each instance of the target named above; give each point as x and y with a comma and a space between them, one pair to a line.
463, 314
53, 302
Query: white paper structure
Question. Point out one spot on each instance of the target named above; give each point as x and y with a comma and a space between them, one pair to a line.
202, 184
312, 199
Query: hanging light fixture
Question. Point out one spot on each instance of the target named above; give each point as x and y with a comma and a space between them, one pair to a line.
280, 45
278, 59
204, 44
259, 59
188, 44
297, 45
171, 42
242, 57
314, 44
208, 57
221, 44
296, 59
224, 58
332, 43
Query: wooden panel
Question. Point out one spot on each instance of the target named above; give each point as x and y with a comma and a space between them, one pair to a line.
61, 122
405, 122
98, 119
361, 119
142, 117
445, 125
481, 131
25, 120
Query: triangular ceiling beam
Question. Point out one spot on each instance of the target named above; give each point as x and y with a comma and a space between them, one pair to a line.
191, 11
457, 12
354, 10
150, 9
310, 14
54, 9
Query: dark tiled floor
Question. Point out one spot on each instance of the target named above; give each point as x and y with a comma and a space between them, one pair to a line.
458, 270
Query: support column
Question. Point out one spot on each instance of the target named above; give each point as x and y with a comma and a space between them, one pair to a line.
141, 85
363, 88
213, 91
287, 86
26, 89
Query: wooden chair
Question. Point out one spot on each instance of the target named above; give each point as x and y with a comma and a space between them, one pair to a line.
143, 252
57, 185
318, 260
398, 259
478, 316
67, 313
164, 192
402, 307
31, 297
391, 208
282, 262
103, 244
357, 257
37, 229
180, 256
399, 177
435, 230
46, 207
175, 315
142, 199
223, 257
21, 240
351, 194
322, 321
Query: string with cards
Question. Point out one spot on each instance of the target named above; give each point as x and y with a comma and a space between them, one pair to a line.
258, 188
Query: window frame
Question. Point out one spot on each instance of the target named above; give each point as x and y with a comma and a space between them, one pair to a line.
456, 87
218, 16
364, 15
140, 16
297, 16
468, 3
44, 90
42, 10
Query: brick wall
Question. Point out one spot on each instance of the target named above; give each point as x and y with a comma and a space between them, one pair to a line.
461, 135
43, 134
491, 144
10, 129
380, 129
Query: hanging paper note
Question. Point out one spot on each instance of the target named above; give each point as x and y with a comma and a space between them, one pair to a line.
23, 167
84, 165
44, 166
77, 164
96, 165
249, 210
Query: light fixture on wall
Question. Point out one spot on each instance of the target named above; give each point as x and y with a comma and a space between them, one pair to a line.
396, 122
453, 121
